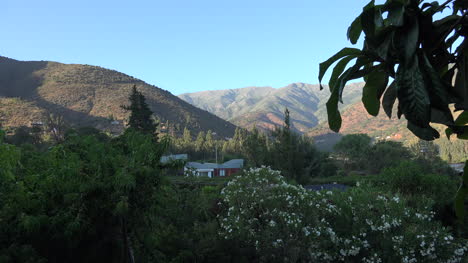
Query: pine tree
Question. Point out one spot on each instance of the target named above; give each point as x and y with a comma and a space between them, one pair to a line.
140, 114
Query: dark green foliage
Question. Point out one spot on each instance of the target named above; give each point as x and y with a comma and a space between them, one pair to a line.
411, 179
406, 36
353, 150
386, 154
427, 58
296, 156
88, 199
140, 114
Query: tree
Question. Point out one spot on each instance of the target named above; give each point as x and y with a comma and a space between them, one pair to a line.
427, 58
354, 147
140, 114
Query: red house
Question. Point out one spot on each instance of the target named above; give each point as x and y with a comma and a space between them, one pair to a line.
213, 169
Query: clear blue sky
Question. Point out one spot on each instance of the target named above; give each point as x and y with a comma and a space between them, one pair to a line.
183, 45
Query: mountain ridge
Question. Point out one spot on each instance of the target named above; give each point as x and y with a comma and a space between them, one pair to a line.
266, 107
91, 96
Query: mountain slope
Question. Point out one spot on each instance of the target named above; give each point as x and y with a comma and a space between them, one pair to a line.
90, 96
264, 106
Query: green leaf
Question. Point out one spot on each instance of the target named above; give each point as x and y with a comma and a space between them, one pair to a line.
442, 116
376, 81
412, 95
448, 133
408, 42
437, 89
352, 73
396, 15
354, 30
342, 53
339, 68
426, 133
461, 195
461, 131
389, 99
334, 117
461, 82
462, 119
368, 19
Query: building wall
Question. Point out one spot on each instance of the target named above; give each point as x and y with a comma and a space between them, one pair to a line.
227, 172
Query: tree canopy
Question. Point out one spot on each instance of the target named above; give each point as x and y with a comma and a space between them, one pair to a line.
140, 114
412, 56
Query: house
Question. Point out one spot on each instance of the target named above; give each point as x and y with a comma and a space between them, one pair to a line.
458, 167
174, 164
213, 169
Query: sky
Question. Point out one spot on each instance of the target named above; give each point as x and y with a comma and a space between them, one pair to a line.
183, 45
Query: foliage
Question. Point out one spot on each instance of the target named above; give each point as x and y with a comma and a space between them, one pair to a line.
88, 199
357, 152
354, 147
425, 56
285, 222
140, 114
386, 154
410, 179
87, 96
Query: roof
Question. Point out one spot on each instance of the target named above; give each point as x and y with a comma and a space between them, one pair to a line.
201, 165
235, 163
458, 167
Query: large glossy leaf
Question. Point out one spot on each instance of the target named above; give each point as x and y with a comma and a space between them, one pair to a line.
337, 70
461, 82
389, 99
342, 53
461, 195
334, 117
462, 119
354, 30
442, 116
426, 133
412, 95
376, 81
368, 19
396, 14
437, 89
409, 41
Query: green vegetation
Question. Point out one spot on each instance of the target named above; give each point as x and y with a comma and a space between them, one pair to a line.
87, 96
283, 149
425, 56
140, 114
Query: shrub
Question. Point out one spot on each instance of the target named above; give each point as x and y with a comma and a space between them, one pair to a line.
284, 222
410, 179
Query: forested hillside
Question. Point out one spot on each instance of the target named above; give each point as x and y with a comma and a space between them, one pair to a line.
89, 96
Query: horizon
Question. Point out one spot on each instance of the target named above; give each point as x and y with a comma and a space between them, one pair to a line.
184, 47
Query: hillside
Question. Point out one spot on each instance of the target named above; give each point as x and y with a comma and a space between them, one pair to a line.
89, 96
264, 106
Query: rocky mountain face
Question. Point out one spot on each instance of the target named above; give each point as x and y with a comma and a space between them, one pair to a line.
264, 106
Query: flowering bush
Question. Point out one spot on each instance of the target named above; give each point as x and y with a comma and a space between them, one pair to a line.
285, 222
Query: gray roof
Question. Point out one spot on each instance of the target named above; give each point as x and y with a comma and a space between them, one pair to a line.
236, 163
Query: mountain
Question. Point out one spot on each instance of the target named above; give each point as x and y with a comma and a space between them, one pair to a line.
264, 106
90, 96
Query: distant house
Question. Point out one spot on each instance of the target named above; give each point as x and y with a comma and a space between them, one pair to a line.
458, 167
215, 170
